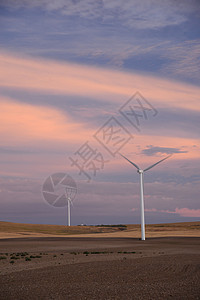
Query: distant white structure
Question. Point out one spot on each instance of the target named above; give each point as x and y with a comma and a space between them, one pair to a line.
141, 172
70, 193
69, 203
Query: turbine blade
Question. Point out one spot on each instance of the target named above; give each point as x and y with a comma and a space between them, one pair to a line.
157, 163
130, 162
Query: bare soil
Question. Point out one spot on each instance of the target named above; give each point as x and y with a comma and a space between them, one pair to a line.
100, 268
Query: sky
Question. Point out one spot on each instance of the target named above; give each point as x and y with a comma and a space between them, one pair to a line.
82, 82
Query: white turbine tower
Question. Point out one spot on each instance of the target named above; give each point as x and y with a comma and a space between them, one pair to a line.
141, 173
70, 194
69, 203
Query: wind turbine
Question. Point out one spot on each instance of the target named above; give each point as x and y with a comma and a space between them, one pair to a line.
70, 193
141, 173
69, 203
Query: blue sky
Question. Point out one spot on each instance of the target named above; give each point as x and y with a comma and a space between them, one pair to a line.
66, 68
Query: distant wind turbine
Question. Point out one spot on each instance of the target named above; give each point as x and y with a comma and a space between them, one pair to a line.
69, 203
141, 172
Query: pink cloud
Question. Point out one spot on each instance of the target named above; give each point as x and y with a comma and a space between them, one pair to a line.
183, 212
186, 212
151, 210
24, 122
99, 83
42, 126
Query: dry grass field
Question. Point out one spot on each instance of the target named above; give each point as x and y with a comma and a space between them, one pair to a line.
8, 229
14, 230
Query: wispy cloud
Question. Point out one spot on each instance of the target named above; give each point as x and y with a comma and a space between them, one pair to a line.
61, 97
37, 124
183, 59
143, 15
15, 150
184, 212
140, 41
152, 150
104, 200
53, 77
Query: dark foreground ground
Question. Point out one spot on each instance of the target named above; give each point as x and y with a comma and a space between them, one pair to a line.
100, 268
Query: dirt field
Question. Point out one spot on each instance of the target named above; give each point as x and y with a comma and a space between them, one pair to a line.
100, 268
